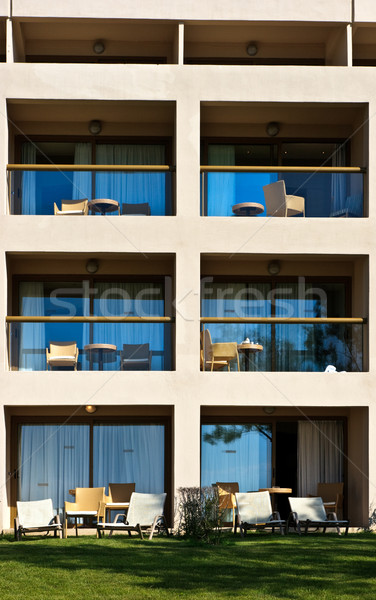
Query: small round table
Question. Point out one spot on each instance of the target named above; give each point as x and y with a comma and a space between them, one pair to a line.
97, 353
104, 205
248, 349
248, 209
275, 490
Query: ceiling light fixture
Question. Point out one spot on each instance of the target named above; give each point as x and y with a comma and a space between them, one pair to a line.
92, 265
99, 47
95, 127
268, 410
274, 267
252, 49
90, 409
272, 128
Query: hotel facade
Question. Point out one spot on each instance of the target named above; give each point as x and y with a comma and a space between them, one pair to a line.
138, 248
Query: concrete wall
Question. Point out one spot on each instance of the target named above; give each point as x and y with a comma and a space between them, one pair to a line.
238, 10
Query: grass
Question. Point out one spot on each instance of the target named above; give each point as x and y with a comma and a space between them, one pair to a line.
262, 566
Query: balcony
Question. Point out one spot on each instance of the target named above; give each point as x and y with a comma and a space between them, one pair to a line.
103, 343
288, 344
327, 191
283, 319
95, 41
258, 43
123, 189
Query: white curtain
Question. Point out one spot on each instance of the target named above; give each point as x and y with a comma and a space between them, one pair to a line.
32, 344
246, 459
29, 200
133, 188
339, 180
129, 453
131, 299
53, 459
82, 179
320, 454
221, 187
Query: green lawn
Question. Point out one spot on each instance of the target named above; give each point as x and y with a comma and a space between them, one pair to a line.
261, 566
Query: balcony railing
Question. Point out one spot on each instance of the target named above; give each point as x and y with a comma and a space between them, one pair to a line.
328, 191
292, 344
102, 342
135, 189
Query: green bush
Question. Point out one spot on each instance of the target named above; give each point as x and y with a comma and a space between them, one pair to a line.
200, 517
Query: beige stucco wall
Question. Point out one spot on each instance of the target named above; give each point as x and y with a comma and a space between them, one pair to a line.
187, 237
364, 11
273, 10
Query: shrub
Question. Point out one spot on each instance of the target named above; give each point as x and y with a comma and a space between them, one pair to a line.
200, 517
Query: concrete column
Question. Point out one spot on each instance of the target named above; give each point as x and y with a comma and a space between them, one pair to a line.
187, 442
4, 509
188, 155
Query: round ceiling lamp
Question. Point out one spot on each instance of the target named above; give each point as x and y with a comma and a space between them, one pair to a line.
92, 265
95, 127
252, 49
272, 128
274, 267
99, 47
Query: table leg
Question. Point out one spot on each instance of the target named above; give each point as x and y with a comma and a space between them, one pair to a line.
246, 360
100, 359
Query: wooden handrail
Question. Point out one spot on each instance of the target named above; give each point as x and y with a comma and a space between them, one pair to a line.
285, 320
137, 168
279, 169
91, 319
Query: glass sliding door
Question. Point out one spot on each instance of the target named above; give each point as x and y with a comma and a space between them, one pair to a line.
52, 460
237, 452
129, 453
55, 458
239, 300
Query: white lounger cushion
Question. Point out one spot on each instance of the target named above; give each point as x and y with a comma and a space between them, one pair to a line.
81, 513
57, 358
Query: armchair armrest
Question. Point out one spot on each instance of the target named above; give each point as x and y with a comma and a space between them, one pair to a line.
70, 506
124, 516
332, 516
102, 510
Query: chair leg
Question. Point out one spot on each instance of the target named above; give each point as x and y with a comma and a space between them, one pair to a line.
153, 527
76, 526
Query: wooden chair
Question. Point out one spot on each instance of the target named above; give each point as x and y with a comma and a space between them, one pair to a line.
62, 354
119, 495
332, 497
227, 500
87, 504
72, 207
218, 355
36, 516
280, 204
